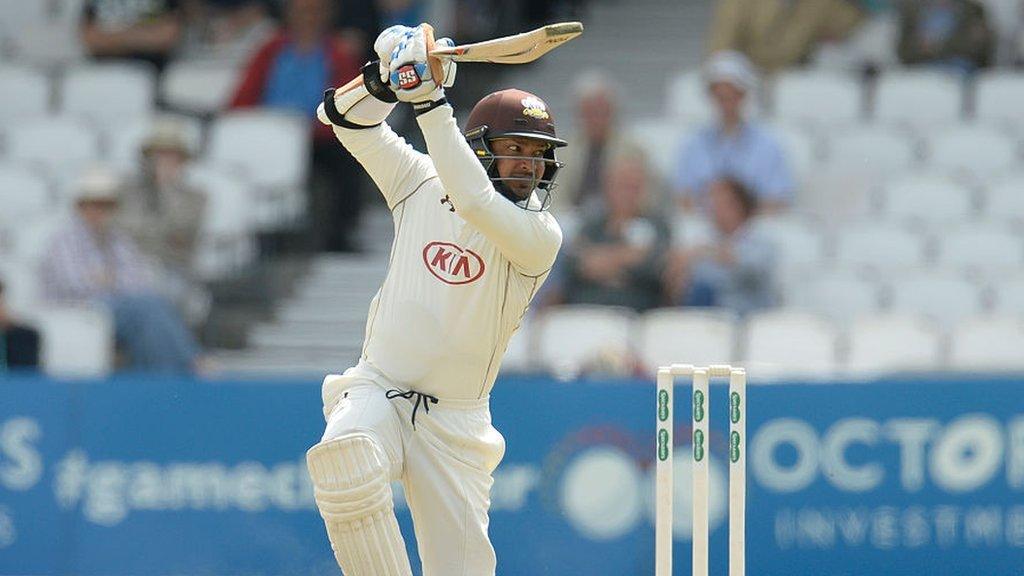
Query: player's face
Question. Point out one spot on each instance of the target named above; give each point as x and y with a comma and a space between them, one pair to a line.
525, 168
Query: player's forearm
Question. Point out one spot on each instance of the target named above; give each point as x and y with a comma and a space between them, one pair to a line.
357, 119
393, 165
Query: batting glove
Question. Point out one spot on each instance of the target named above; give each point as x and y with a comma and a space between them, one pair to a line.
410, 76
386, 43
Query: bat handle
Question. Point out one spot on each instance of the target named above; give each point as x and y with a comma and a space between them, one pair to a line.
436, 67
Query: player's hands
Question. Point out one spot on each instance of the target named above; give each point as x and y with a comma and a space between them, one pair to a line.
410, 75
386, 43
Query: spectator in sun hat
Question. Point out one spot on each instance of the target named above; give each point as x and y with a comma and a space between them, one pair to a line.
733, 144
92, 261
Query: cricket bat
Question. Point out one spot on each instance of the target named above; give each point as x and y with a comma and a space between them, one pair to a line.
515, 49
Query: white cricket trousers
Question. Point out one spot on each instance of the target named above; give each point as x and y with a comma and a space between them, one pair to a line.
444, 464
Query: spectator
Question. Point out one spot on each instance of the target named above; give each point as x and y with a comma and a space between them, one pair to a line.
163, 214
148, 31
19, 344
598, 138
778, 34
290, 72
618, 253
733, 271
733, 145
91, 261
227, 30
950, 33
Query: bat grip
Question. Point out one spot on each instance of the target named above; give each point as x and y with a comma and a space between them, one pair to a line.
436, 67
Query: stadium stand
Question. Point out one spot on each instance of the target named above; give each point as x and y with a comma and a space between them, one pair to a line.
910, 202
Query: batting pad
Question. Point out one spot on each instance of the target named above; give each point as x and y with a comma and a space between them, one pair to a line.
350, 484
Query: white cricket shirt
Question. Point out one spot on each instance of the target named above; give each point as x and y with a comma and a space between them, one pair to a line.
458, 282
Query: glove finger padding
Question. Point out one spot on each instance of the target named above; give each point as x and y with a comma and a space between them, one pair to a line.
410, 75
385, 45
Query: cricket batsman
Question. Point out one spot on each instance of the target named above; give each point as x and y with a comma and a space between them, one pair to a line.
473, 244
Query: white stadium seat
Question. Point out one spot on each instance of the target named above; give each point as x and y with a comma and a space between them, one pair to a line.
688, 99
788, 343
988, 343
59, 147
800, 149
918, 98
798, 241
21, 288
25, 95
226, 242
927, 198
24, 195
893, 343
879, 247
976, 151
110, 92
76, 342
997, 99
271, 150
268, 147
570, 337
670, 335
1004, 200
198, 87
986, 249
32, 238
18, 13
819, 98
944, 298
839, 295
1009, 296
874, 149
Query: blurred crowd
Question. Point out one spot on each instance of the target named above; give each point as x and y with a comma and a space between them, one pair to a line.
734, 167
131, 242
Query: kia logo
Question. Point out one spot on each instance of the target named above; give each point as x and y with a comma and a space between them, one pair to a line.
451, 264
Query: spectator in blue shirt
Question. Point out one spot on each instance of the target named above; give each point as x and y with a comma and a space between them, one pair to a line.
733, 146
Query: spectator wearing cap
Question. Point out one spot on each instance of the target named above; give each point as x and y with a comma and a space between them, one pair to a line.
19, 344
733, 145
91, 261
290, 72
160, 211
598, 138
778, 34
732, 270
